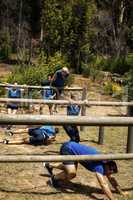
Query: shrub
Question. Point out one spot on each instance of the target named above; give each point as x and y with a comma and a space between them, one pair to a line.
107, 88
113, 65
85, 70
35, 74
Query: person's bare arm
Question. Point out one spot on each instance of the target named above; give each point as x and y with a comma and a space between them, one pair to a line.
115, 185
104, 185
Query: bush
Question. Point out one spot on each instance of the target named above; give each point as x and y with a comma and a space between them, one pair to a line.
119, 66
35, 74
85, 70
107, 88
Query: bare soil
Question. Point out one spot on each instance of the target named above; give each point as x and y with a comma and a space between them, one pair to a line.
24, 181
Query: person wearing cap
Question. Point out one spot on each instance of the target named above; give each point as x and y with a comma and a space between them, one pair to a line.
102, 169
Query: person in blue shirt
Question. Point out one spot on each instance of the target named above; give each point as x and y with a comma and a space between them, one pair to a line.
72, 110
36, 136
48, 93
58, 81
13, 92
68, 169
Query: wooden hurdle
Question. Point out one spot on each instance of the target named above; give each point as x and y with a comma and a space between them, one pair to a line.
41, 87
84, 103
60, 158
68, 120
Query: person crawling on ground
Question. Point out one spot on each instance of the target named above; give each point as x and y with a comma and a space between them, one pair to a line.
103, 169
35, 136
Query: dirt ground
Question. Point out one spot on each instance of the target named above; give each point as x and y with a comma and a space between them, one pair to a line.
26, 181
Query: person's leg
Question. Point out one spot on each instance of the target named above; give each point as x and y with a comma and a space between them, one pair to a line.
50, 109
9, 111
34, 131
73, 132
16, 141
57, 97
68, 171
14, 111
37, 140
76, 136
20, 131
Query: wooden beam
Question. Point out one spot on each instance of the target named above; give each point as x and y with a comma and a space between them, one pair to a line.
61, 158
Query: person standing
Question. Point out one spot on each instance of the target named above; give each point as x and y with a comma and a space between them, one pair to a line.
72, 110
13, 92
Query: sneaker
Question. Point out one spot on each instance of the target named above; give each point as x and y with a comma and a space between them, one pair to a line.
55, 183
5, 141
8, 132
48, 168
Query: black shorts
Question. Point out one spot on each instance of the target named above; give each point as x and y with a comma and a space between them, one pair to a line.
12, 106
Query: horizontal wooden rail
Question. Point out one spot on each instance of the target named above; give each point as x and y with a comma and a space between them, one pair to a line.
40, 87
66, 102
40, 101
60, 158
61, 120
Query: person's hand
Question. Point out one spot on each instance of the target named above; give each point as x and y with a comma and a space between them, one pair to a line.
85, 101
71, 101
66, 87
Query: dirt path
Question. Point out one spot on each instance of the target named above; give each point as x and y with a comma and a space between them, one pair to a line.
24, 181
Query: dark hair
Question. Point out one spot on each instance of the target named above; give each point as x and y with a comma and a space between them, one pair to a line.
112, 166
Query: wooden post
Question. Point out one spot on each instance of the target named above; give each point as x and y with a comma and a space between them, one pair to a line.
101, 135
83, 107
130, 132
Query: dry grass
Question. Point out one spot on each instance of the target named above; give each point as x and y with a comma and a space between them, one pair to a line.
29, 180
24, 181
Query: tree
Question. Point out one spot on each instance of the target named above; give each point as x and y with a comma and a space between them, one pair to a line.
114, 22
66, 27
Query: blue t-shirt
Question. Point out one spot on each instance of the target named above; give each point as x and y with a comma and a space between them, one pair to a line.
14, 93
73, 109
60, 79
47, 93
48, 130
74, 148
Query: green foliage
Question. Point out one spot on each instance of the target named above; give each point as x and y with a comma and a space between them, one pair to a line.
5, 45
85, 70
67, 31
119, 66
35, 74
30, 75
129, 84
107, 88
